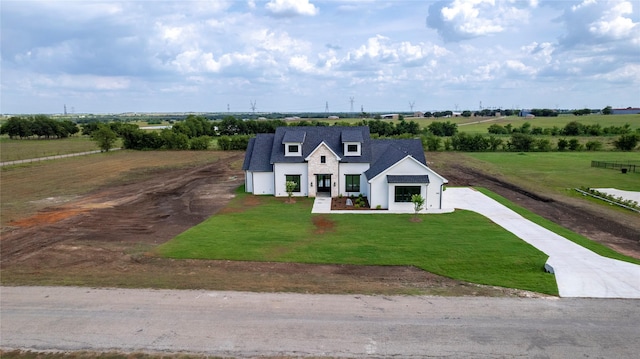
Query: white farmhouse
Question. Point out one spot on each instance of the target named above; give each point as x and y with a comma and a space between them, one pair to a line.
335, 160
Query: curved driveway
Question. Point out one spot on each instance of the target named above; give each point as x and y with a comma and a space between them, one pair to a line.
579, 272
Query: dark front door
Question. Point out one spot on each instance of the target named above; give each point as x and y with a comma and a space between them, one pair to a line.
324, 183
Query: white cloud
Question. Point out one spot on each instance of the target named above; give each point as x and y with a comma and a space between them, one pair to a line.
465, 19
613, 23
288, 8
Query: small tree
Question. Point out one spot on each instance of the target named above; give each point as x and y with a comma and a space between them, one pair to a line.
626, 142
418, 205
105, 137
290, 186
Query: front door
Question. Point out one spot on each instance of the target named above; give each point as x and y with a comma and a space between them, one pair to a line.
324, 183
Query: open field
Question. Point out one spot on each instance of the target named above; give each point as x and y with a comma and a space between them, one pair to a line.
29, 188
465, 125
559, 171
462, 245
12, 150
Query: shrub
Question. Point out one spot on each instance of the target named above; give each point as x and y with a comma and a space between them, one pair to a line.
574, 145
562, 144
627, 142
593, 146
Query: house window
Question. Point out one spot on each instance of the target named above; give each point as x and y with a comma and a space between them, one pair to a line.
293, 149
352, 183
296, 179
323, 159
352, 148
404, 193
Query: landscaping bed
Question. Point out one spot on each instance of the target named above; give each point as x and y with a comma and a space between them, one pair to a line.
356, 204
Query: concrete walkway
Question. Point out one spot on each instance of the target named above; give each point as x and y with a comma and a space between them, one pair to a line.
627, 195
579, 272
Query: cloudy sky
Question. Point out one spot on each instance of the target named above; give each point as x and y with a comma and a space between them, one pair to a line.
302, 55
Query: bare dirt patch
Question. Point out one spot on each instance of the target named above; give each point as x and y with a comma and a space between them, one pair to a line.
101, 239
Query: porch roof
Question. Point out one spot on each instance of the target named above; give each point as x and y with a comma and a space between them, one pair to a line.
408, 179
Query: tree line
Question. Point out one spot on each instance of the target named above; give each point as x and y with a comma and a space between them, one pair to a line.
573, 128
38, 126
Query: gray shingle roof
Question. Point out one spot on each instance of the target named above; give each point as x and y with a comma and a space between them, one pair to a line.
387, 152
352, 136
294, 135
258, 153
408, 179
315, 135
266, 149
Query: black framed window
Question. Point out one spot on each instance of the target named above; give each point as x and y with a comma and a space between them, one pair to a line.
293, 148
352, 183
352, 148
296, 179
323, 159
404, 193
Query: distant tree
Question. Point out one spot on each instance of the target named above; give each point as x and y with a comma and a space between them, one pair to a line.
105, 137
16, 127
562, 144
593, 146
607, 110
627, 142
521, 142
443, 129
431, 142
574, 145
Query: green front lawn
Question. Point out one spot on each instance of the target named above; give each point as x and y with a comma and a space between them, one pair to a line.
461, 245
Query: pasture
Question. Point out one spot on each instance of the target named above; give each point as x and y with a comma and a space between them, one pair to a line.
12, 150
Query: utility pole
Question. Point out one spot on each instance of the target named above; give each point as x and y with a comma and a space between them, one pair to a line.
253, 105
351, 99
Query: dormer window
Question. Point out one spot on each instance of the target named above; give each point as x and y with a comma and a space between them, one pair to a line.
352, 149
292, 150
292, 142
352, 141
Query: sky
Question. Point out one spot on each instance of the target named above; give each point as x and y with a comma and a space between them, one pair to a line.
317, 55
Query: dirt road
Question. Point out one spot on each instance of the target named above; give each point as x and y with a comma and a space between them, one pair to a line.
249, 324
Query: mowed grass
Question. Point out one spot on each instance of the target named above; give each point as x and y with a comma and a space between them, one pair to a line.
30, 187
12, 150
559, 171
481, 125
461, 245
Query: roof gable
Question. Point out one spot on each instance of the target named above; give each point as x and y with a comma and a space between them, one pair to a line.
332, 136
320, 145
386, 153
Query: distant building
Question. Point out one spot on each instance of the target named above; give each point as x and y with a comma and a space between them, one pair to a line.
333, 117
625, 111
390, 116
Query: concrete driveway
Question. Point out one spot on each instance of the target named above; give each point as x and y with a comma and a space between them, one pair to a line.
579, 272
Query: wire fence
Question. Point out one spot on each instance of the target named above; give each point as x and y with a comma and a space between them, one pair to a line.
47, 158
624, 166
